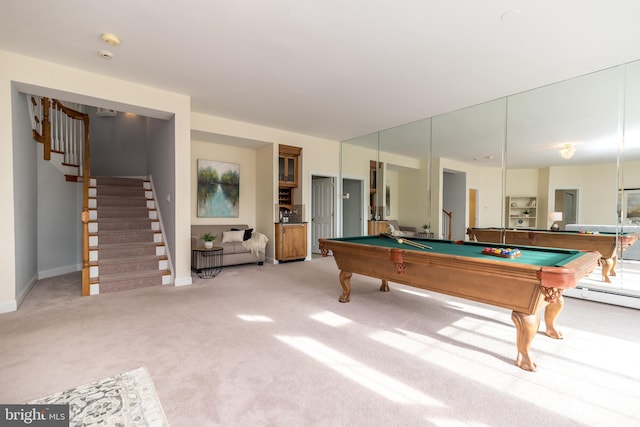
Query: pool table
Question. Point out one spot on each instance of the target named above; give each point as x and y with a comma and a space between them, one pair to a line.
525, 285
603, 242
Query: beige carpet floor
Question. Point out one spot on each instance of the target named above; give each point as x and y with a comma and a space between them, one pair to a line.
272, 346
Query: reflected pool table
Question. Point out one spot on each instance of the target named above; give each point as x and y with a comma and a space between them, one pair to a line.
525, 285
603, 242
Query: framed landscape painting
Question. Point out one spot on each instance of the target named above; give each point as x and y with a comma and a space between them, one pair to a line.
218, 189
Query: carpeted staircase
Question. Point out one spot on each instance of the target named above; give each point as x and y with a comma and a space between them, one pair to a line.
126, 246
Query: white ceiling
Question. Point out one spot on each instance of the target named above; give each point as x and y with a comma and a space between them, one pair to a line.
334, 69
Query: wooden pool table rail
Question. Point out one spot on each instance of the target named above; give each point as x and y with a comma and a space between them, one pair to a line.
604, 243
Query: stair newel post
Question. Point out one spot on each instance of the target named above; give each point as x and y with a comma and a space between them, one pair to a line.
85, 253
46, 128
85, 212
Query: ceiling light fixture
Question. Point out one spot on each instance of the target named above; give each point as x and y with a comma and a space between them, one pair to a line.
110, 39
567, 151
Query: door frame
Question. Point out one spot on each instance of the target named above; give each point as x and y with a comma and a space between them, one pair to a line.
336, 206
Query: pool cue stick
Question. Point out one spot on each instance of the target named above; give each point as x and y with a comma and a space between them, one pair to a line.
401, 241
412, 243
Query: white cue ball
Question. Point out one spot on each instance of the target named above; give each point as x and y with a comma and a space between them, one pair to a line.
400, 241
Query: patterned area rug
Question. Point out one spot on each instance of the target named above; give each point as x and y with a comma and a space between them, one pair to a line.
128, 399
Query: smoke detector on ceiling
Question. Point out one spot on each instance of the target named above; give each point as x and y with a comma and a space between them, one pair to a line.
106, 54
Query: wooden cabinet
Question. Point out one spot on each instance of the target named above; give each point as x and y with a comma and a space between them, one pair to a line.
522, 212
291, 241
376, 227
288, 159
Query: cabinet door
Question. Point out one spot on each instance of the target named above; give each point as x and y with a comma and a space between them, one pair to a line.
296, 241
288, 170
291, 241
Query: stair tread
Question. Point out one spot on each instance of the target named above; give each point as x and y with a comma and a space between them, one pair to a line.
139, 258
124, 230
133, 275
130, 274
125, 245
116, 220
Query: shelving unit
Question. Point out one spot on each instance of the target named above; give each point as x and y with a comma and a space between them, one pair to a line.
288, 164
285, 198
522, 212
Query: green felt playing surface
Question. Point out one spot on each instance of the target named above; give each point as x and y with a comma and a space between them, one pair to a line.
530, 255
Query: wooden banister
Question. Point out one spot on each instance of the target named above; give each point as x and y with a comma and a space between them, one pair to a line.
448, 214
86, 291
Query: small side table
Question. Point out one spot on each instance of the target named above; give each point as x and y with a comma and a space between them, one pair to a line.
205, 262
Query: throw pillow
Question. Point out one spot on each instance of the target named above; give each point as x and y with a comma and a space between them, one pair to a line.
247, 233
232, 236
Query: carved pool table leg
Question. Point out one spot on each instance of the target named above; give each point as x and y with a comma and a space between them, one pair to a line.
551, 313
608, 266
384, 287
526, 328
345, 281
614, 263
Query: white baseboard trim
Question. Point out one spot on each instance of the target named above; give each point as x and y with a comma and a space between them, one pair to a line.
604, 297
183, 281
8, 306
25, 290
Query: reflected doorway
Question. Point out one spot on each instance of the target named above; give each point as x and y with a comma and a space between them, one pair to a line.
473, 207
352, 207
454, 200
566, 201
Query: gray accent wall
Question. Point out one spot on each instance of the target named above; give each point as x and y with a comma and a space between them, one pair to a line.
59, 220
118, 144
25, 196
162, 171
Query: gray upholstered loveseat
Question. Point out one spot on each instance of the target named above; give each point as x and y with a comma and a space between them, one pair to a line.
400, 230
236, 250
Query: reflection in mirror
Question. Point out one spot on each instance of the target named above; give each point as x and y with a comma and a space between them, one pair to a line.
562, 151
404, 159
467, 174
501, 165
629, 204
359, 184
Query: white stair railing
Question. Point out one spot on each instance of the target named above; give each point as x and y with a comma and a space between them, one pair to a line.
60, 126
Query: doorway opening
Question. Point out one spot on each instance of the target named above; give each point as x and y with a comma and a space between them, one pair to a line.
323, 210
352, 207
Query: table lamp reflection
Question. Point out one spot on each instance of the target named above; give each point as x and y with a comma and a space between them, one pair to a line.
555, 217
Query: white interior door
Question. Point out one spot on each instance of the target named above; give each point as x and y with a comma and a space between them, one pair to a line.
323, 208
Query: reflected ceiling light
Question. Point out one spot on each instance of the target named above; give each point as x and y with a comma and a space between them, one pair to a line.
567, 151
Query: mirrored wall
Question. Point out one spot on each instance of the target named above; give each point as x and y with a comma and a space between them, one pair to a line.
565, 155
